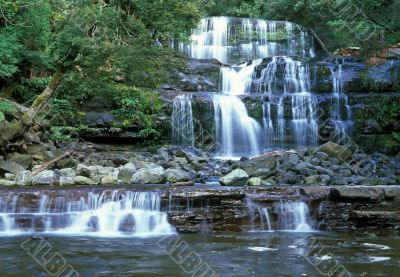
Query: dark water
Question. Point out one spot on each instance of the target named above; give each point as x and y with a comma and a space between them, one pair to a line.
239, 254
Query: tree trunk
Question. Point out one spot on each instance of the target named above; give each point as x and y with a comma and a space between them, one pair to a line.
320, 42
17, 128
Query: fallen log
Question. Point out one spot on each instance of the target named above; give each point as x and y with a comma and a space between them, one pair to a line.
183, 184
49, 163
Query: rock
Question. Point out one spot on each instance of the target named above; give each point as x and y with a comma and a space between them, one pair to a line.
83, 170
291, 179
262, 162
153, 175
290, 160
66, 181
126, 173
7, 183
46, 177
139, 163
177, 175
345, 173
373, 182
254, 182
120, 160
321, 156
336, 151
25, 160
360, 193
109, 180
67, 163
313, 180
263, 173
67, 172
181, 153
10, 167
238, 177
163, 152
24, 178
180, 160
268, 182
9, 176
84, 181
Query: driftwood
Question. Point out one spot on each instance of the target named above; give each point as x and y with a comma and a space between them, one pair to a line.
49, 163
183, 184
320, 42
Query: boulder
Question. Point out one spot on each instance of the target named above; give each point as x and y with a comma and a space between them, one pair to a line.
9, 176
84, 181
10, 167
291, 179
238, 177
254, 182
66, 172
24, 178
83, 170
176, 175
313, 180
268, 182
262, 162
25, 160
109, 180
66, 181
7, 183
125, 174
337, 151
322, 156
153, 175
46, 177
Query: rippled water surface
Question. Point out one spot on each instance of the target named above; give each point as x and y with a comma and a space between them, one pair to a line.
238, 254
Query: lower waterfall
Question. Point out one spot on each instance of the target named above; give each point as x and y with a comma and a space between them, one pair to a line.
292, 216
107, 214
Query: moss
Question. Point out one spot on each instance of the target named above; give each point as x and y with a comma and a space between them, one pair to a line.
256, 110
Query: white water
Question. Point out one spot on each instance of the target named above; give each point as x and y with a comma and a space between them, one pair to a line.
342, 119
182, 121
293, 216
265, 221
108, 214
233, 40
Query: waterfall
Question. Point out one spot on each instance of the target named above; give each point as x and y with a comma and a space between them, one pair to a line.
284, 77
182, 121
342, 119
265, 221
236, 133
292, 216
234, 40
106, 214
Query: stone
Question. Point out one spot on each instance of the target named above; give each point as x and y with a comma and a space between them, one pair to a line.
67, 172
46, 177
176, 175
125, 174
109, 180
325, 179
10, 167
138, 163
7, 183
119, 160
313, 180
163, 152
67, 163
180, 153
315, 161
357, 193
238, 177
153, 175
83, 170
24, 178
262, 162
373, 182
9, 176
25, 160
84, 181
321, 156
268, 182
254, 182
263, 173
337, 151
291, 179
345, 173
66, 181
290, 160
180, 160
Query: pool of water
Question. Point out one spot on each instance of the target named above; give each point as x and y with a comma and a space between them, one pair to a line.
225, 254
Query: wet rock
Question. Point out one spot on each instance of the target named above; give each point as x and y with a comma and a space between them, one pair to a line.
180, 160
176, 175
66, 181
359, 193
24, 178
238, 177
66, 172
10, 167
9, 176
46, 177
268, 182
321, 156
345, 173
262, 162
290, 160
153, 175
263, 173
67, 163
373, 182
126, 172
291, 179
7, 183
336, 151
109, 180
84, 181
83, 170
25, 160
254, 182
119, 160
313, 180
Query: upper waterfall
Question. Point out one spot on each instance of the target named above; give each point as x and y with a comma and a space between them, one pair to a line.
235, 40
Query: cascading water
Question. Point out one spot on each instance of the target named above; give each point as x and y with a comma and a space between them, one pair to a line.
341, 118
292, 216
182, 121
265, 221
234, 40
106, 214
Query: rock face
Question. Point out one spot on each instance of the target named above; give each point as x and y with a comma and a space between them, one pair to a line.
24, 178
238, 177
154, 175
46, 177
